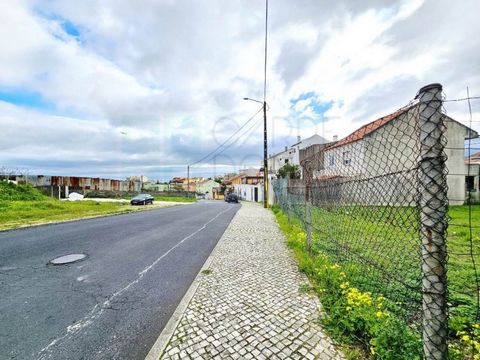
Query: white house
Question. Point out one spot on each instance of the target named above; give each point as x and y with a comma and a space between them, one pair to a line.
248, 185
249, 192
291, 155
205, 188
381, 157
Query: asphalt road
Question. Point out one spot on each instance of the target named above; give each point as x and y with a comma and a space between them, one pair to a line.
113, 304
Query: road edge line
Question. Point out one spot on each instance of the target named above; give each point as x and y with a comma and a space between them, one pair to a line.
164, 338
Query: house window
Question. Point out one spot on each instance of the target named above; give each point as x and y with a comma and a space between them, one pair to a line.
286, 161
347, 158
331, 160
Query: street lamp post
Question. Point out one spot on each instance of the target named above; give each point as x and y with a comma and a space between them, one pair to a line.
265, 161
188, 181
265, 153
264, 104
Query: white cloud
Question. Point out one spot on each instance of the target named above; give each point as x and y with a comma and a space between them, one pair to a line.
167, 73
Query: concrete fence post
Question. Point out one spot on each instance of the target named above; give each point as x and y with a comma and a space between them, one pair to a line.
308, 221
308, 206
433, 204
286, 199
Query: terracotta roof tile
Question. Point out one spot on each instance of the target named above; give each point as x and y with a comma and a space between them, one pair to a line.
368, 128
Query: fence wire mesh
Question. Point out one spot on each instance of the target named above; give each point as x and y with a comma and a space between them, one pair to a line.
376, 203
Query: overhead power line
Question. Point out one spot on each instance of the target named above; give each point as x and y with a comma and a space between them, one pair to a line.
240, 136
226, 141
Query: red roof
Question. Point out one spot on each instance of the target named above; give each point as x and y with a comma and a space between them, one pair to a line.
474, 159
368, 128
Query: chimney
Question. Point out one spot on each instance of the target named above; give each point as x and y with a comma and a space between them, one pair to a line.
298, 138
286, 148
335, 137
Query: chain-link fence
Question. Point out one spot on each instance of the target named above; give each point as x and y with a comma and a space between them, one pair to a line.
376, 203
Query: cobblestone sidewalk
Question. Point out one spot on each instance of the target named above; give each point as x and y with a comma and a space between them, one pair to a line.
249, 305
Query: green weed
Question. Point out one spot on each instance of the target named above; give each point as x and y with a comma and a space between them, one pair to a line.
338, 279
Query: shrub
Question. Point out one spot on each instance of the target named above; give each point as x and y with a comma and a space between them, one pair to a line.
13, 192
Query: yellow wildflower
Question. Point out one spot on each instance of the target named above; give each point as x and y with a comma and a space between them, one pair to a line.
466, 338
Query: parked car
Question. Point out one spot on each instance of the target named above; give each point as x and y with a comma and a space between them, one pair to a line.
142, 199
231, 198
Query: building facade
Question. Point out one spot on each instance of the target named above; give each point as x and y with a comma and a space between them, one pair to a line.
291, 155
384, 155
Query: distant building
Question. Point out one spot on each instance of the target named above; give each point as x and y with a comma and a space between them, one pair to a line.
150, 186
218, 193
183, 183
248, 185
141, 178
291, 155
205, 188
62, 186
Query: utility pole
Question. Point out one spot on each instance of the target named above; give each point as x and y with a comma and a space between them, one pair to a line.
188, 181
265, 160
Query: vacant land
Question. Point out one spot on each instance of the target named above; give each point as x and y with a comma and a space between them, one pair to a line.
14, 214
378, 249
463, 264
379, 246
23, 205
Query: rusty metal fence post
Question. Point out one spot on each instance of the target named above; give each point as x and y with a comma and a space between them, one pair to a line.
433, 204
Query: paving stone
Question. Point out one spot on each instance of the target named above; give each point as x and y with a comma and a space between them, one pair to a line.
250, 306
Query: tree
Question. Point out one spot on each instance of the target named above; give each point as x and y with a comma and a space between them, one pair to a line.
178, 187
289, 171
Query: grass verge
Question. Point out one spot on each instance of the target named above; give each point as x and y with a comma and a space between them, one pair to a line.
15, 214
23, 205
368, 324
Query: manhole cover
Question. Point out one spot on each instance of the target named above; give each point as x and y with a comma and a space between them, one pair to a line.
67, 259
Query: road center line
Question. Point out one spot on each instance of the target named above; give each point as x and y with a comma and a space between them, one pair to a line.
97, 310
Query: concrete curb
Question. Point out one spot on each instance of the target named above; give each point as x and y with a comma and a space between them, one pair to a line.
161, 343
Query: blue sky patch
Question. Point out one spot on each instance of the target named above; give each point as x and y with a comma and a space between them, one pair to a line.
70, 28
320, 108
304, 96
26, 98
67, 26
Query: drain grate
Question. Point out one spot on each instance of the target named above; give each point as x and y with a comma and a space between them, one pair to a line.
67, 259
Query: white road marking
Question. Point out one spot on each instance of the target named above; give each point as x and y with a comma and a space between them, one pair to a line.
97, 310
82, 278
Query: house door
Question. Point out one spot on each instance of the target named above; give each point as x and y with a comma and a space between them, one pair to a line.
256, 195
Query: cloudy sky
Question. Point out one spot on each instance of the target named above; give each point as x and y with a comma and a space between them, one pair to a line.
117, 88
